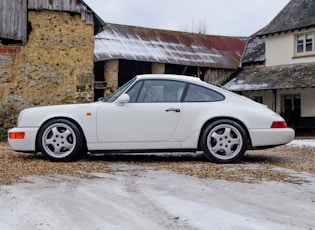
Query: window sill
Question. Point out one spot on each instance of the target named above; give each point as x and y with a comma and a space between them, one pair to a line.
303, 55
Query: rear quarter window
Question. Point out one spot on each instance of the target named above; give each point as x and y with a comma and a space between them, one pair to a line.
197, 93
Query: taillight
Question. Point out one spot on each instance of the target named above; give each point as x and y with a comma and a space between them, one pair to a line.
17, 135
279, 125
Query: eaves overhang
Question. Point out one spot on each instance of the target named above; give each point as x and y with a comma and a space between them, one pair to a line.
274, 77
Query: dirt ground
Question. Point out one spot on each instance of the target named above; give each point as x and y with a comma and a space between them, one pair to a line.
15, 166
268, 189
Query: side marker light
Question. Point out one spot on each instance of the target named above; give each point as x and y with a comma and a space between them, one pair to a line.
17, 135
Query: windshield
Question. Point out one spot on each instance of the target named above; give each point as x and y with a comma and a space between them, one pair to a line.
118, 92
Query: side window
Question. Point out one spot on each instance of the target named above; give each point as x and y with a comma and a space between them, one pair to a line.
201, 94
134, 91
159, 91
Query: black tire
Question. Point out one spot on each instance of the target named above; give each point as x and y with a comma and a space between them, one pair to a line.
224, 141
60, 140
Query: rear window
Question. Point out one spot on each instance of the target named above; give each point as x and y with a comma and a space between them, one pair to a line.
197, 93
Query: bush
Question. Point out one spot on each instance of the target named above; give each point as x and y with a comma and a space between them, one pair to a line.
9, 115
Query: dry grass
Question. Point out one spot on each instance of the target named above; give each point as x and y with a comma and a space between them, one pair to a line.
256, 166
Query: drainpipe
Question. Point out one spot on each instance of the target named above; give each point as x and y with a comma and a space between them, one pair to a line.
274, 91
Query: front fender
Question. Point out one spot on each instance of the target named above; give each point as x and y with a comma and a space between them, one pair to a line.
84, 116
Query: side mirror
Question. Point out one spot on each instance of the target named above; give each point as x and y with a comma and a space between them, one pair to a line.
123, 99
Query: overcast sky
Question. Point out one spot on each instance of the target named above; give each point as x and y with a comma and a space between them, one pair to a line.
222, 17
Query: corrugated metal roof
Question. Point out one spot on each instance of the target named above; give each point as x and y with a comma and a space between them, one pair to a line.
76, 6
274, 77
163, 46
13, 15
13, 20
57, 5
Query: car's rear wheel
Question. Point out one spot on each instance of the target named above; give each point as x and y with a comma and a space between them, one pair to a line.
224, 141
60, 140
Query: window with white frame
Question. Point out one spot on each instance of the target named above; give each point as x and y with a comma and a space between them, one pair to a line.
305, 43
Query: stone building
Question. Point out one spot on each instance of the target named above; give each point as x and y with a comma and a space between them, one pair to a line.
46, 54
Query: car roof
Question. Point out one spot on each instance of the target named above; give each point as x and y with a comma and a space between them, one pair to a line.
169, 77
185, 78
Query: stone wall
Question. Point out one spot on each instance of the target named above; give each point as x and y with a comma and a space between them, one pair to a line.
57, 61
111, 69
55, 66
9, 68
158, 68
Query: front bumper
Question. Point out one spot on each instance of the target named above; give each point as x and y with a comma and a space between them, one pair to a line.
271, 137
28, 143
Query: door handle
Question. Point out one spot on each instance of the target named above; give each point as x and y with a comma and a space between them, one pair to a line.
173, 110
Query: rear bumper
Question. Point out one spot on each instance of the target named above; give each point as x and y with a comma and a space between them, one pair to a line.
28, 143
271, 137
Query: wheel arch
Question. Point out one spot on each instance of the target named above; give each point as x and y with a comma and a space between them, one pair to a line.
249, 142
64, 118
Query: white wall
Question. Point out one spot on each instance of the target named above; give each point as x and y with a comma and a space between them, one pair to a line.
307, 99
268, 98
280, 50
308, 102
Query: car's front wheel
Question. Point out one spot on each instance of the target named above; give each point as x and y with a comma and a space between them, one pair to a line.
224, 141
60, 140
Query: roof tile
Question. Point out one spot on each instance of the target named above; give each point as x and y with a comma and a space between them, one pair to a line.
297, 14
275, 77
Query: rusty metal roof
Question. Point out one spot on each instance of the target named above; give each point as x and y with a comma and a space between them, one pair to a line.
163, 46
274, 77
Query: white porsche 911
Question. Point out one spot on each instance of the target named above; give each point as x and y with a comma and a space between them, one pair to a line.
153, 113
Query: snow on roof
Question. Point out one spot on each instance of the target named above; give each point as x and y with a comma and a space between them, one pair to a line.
275, 77
162, 46
255, 50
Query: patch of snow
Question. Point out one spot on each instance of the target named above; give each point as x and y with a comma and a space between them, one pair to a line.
134, 198
302, 143
111, 44
240, 85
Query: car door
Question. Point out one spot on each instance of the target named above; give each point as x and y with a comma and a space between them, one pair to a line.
200, 104
151, 115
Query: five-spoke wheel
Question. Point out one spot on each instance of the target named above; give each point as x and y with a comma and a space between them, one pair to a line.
60, 140
224, 141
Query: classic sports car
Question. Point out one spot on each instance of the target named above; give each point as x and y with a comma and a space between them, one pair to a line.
153, 113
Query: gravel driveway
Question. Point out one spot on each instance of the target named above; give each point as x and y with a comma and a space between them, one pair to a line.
269, 189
